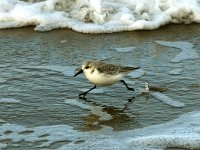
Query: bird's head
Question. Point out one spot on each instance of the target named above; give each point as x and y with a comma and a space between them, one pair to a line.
87, 67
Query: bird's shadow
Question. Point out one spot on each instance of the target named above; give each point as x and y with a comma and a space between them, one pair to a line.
94, 103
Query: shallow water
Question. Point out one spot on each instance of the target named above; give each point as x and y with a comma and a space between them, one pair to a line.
37, 87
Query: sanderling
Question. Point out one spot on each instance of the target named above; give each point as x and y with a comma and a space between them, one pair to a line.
104, 74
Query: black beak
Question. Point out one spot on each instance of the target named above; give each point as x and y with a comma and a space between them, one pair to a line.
81, 71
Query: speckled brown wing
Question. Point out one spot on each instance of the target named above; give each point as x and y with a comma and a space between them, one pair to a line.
108, 68
113, 69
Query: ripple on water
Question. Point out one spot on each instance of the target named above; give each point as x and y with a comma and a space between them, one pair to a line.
9, 100
74, 102
167, 100
66, 70
2, 80
176, 71
124, 49
137, 73
187, 50
95, 91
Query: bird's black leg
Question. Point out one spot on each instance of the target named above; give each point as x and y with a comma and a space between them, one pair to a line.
132, 89
82, 95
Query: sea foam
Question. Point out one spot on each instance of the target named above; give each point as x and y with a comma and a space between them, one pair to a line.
125, 49
97, 16
183, 132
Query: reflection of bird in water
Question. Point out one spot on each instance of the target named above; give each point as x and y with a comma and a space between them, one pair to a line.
119, 120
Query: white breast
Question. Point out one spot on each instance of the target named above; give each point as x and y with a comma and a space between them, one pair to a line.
103, 79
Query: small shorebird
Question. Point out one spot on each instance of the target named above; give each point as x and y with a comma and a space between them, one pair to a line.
104, 74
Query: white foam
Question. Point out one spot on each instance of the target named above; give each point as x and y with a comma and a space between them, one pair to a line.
9, 100
176, 71
97, 16
66, 70
137, 73
63, 41
183, 132
167, 100
103, 116
51, 134
74, 102
95, 91
187, 51
124, 49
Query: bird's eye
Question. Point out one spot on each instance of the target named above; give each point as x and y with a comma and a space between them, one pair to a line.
87, 67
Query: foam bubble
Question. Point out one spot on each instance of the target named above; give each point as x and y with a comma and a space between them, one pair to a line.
137, 73
9, 100
95, 91
124, 49
74, 102
97, 16
176, 71
63, 41
187, 51
104, 116
167, 100
167, 141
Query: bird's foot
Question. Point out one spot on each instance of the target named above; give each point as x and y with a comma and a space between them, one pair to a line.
130, 99
131, 89
82, 96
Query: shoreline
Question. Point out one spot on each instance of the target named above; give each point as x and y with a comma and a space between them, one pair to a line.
164, 27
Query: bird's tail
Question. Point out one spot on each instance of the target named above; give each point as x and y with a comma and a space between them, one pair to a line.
129, 69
